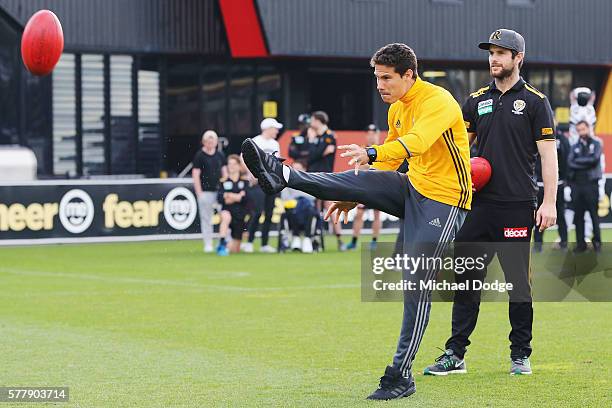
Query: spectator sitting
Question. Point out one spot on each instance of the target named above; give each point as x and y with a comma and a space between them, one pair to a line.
232, 196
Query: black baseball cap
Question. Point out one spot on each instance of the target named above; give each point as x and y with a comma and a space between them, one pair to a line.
505, 38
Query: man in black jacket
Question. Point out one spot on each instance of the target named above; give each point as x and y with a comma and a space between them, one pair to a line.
321, 157
322, 144
299, 148
563, 148
584, 164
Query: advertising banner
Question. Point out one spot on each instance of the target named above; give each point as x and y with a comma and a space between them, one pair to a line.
118, 208
140, 209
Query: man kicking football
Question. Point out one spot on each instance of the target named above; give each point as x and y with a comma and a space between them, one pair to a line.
426, 127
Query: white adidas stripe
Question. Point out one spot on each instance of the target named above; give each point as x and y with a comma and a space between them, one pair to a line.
424, 294
421, 310
418, 329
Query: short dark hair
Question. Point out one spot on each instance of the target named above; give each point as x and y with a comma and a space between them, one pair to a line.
583, 122
321, 117
514, 54
396, 55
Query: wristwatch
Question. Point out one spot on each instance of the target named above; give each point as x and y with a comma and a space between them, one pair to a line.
371, 152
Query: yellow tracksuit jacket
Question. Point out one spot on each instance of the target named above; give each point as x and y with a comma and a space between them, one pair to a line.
426, 127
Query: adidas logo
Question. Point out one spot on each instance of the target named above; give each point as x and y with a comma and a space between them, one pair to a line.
398, 124
435, 222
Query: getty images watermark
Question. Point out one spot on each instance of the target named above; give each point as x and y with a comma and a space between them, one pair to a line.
412, 264
485, 272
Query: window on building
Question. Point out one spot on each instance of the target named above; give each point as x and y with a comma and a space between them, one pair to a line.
92, 82
241, 119
123, 140
183, 100
268, 92
149, 143
540, 79
346, 96
589, 77
214, 95
183, 107
37, 133
478, 78
456, 81
64, 117
135, 143
561, 88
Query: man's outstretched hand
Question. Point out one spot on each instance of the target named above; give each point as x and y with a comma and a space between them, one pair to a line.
337, 209
358, 155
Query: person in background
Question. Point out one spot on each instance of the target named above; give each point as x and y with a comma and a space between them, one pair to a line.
322, 154
299, 148
582, 108
302, 215
372, 138
208, 169
261, 202
232, 196
563, 148
584, 164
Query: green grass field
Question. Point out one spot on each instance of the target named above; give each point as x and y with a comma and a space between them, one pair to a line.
161, 324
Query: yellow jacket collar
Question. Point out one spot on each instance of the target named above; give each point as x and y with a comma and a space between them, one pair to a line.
413, 91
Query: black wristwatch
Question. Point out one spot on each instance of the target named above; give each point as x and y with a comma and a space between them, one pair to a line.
371, 152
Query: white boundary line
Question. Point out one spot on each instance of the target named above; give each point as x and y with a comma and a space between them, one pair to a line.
170, 237
137, 238
165, 282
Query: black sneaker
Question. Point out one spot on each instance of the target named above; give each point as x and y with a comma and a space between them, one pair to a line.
580, 248
447, 363
393, 385
267, 168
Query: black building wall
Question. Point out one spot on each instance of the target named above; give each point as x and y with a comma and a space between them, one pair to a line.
151, 26
556, 31
183, 43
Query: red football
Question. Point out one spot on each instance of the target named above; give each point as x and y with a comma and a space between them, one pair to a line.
481, 172
42, 42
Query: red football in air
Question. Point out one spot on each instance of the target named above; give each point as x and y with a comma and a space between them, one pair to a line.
42, 42
481, 172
